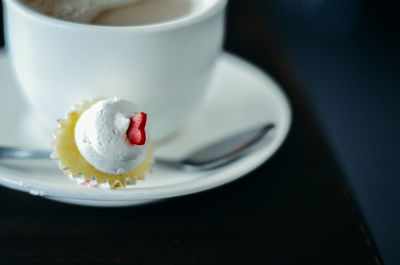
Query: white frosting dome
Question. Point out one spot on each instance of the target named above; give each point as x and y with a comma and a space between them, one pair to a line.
100, 134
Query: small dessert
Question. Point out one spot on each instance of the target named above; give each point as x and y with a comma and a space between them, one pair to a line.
104, 143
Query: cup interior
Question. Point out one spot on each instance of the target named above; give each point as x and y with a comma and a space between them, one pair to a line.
201, 9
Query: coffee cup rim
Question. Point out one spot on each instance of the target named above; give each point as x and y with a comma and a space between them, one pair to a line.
213, 9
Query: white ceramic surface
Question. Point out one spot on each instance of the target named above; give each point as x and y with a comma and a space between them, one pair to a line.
240, 96
163, 67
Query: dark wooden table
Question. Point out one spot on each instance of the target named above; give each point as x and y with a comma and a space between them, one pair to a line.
295, 209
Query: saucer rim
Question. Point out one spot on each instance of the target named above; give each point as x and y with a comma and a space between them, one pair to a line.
125, 197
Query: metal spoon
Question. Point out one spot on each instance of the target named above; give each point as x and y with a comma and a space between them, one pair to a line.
210, 157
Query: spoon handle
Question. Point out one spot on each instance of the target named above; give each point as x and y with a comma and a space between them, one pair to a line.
22, 153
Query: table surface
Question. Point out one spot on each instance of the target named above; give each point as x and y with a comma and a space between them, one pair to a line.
294, 209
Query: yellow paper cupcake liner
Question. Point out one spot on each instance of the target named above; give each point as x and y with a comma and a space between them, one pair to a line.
73, 164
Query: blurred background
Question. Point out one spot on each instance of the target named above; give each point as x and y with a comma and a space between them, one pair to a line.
344, 55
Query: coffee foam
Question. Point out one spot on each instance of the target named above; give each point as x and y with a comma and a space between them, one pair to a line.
76, 10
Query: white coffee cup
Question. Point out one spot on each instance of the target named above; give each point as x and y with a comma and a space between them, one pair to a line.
163, 67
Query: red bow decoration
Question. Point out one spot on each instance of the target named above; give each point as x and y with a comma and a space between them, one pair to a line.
135, 133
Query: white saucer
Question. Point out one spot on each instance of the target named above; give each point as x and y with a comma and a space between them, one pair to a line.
240, 96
